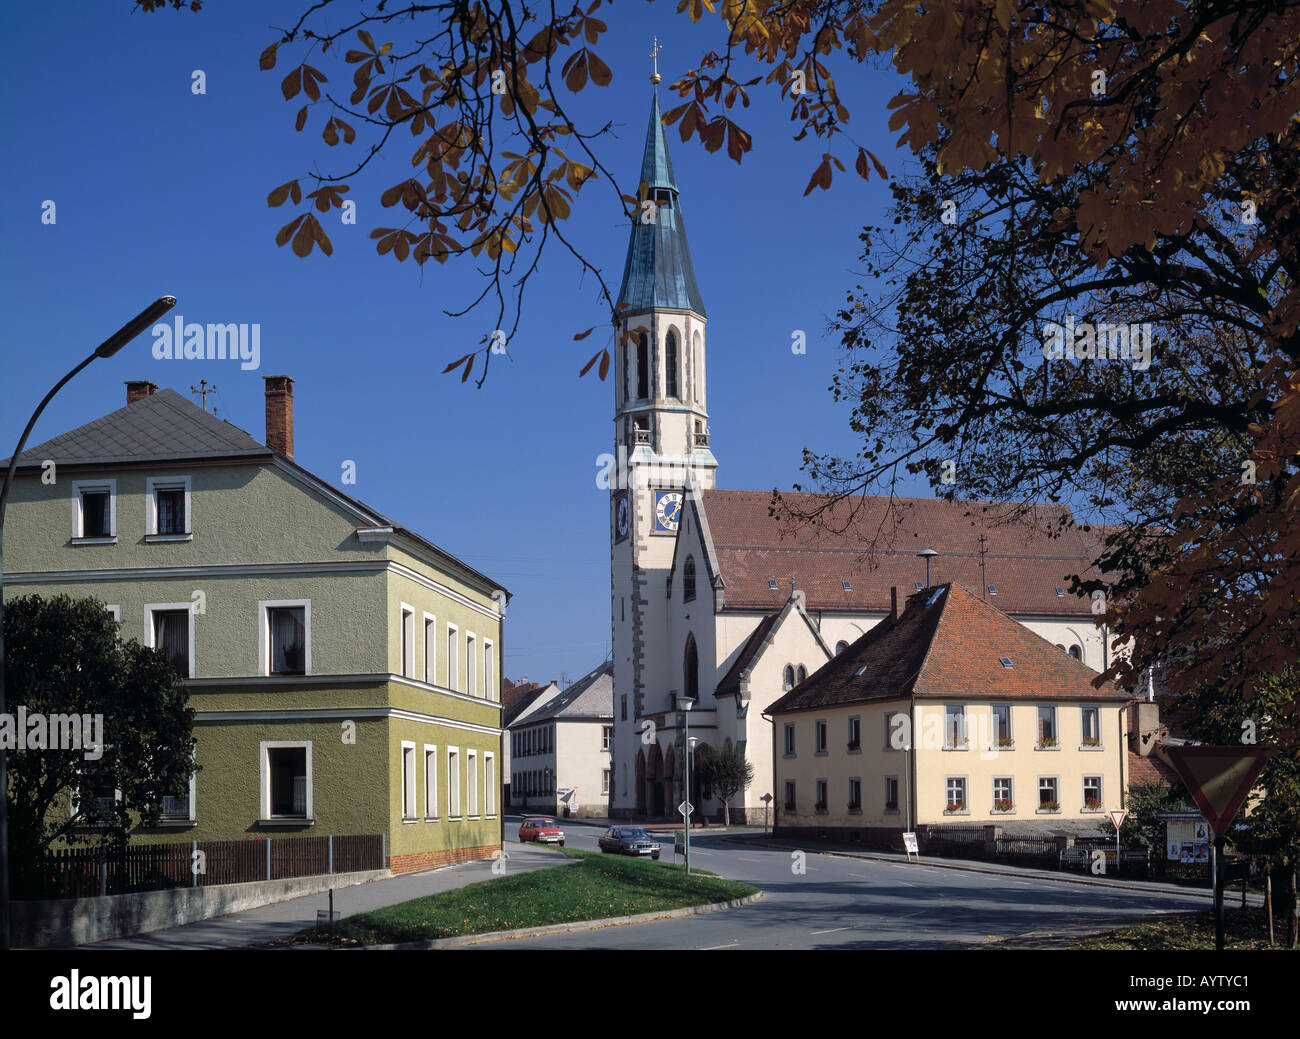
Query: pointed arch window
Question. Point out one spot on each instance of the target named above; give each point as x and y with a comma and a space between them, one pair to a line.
642, 366
691, 670
688, 580
670, 362
789, 677
697, 375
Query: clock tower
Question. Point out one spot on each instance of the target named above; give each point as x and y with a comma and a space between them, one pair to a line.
661, 441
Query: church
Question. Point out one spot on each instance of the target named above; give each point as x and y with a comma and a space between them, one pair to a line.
718, 604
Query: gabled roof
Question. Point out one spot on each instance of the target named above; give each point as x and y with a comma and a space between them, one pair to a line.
948, 644
658, 271
759, 641
591, 696
163, 427
1021, 561
517, 697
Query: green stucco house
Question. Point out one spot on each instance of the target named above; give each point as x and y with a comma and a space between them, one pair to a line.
345, 672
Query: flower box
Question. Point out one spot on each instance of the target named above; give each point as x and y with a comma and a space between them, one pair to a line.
1005, 742
1090, 741
959, 806
1003, 805
1048, 742
1049, 806
1091, 804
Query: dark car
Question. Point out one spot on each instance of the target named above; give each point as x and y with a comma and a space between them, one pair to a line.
628, 840
541, 829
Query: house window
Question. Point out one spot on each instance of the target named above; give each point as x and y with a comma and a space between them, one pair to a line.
954, 726
489, 671
168, 504
1047, 726
95, 798
286, 780
956, 791
408, 780
286, 638
408, 641
855, 734
430, 642
1001, 725
840, 647
1092, 793
606, 736
453, 782
789, 677
820, 806
172, 632
891, 793
789, 796
453, 670
179, 808
789, 740
1091, 726
1002, 800
820, 738
471, 782
604, 781
430, 781
1047, 794
94, 509
1077, 653
855, 795
688, 580
800, 673
471, 664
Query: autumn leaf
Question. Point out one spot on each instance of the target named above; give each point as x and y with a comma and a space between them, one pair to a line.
583, 335
292, 83
267, 59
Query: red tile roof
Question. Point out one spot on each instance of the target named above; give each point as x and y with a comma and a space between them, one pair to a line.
1021, 560
948, 644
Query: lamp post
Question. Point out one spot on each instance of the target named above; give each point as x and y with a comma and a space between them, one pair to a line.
686, 703
927, 554
107, 348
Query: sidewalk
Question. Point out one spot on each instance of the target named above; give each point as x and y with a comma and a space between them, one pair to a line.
266, 923
993, 868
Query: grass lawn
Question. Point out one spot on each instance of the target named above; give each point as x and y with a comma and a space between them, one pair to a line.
1243, 929
593, 888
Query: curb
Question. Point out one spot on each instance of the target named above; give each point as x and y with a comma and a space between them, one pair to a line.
996, 872
576, 925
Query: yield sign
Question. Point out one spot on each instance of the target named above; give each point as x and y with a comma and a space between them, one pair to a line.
1117, 816
1218, 778
685, 808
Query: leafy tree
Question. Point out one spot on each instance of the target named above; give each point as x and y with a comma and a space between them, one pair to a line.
63, 656
726, 772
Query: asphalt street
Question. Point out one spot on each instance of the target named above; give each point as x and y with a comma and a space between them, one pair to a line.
849, 903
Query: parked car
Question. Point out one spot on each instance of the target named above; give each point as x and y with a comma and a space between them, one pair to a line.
628, 840
540, 829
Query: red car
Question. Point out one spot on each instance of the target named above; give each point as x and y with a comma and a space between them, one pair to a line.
541, 829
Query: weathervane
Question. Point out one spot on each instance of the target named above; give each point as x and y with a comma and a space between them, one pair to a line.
654, 56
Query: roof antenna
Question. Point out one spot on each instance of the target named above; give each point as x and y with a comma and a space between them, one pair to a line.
202, 391
984, 588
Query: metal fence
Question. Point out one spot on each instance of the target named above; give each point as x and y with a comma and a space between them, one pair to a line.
85, 872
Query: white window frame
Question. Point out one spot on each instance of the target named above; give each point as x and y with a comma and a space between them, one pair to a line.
78, 538
490, 671
115, 610
606, 737
604, 781
471, 784
965, 794
74, 801
430, 781
191, 815
489, 785
264, 634
406, 639
453, 783
1101, 791
150, 608
1010, 781
410, 804
1056, 785
430, 648
1084, 709
471, 664
153, 484
955, 736
265, 770
1038, 728
453, 657
790, 745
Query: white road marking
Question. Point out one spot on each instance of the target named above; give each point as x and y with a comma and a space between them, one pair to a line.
746, 858
710, 948
831, 930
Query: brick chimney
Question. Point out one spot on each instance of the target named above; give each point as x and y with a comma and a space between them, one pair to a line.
893, 602
138, 389
279, 413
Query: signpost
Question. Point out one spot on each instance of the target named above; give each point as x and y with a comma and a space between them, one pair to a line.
1117, 816
910, 845
767, 800
1219, 780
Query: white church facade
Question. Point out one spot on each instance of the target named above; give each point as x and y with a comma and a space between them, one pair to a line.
716, 600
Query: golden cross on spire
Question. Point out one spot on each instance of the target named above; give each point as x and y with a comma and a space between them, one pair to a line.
654, 56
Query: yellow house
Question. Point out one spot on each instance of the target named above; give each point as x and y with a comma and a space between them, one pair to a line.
950, 714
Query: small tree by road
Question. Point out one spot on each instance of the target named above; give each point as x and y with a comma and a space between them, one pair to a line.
726, 773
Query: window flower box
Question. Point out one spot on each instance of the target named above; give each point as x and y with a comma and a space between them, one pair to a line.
1001, 804
1049, 806
956, 806
820, 806
1091, 804
1005, 743
1048, 743
854, 745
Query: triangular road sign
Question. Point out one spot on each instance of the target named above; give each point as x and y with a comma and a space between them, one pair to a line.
1117, 816
1218, 778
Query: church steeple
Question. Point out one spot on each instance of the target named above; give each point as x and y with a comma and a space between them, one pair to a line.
658, 270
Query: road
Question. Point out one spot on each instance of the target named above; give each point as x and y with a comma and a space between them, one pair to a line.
849, 903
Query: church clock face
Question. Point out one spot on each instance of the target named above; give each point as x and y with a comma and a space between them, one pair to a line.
622, 518
668, 511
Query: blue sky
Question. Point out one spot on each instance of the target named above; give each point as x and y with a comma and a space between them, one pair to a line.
161, 191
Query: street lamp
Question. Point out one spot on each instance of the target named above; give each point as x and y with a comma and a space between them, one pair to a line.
686, 703
107, 348
927, 554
